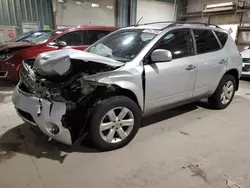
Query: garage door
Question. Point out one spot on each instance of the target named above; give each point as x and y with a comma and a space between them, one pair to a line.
73, 13
152, 11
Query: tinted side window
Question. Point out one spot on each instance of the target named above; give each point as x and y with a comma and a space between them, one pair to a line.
73, 38
95, 35
178, 42
205, 41
222, 37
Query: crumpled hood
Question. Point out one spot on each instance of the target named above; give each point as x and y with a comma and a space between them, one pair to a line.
58, 62
8, 45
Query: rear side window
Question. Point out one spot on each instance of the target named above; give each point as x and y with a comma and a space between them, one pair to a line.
222, 37
205, 41
95, 35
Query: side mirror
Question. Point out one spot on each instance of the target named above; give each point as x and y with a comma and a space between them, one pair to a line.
61, 44
161, 55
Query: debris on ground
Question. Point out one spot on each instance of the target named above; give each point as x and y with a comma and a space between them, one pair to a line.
197, 171
184, 133
231, 184
2, 153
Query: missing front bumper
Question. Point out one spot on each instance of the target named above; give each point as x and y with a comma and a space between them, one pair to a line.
48, 119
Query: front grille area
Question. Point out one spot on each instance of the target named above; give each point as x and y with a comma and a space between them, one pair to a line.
26, 115
25, 80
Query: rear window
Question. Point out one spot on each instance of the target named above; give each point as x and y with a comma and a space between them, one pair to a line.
205, 41
222, 37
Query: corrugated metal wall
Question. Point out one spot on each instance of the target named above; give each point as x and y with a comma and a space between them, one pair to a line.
180, 6
14, 12
124, 19
123, 16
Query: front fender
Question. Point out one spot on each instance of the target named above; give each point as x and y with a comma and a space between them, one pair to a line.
129, 80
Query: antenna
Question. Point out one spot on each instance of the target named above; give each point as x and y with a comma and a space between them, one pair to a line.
138, 21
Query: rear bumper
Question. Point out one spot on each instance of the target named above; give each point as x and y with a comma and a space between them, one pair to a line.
42, 113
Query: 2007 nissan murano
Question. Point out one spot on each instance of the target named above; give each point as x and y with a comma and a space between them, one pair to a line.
105, 90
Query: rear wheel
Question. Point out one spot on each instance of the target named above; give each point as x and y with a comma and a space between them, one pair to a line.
224, 93
114, 123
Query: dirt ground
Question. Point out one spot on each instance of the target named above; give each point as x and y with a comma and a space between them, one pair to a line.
187, 147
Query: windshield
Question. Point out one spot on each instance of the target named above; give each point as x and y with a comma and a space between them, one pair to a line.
43, 38
123, 45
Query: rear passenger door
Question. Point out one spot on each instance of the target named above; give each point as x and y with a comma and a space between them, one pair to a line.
211, 61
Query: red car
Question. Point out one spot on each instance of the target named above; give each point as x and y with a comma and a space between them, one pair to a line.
13, 54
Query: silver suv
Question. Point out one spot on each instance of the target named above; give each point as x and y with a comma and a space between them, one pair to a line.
103, 92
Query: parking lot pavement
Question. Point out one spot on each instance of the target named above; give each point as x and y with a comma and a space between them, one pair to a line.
190, 146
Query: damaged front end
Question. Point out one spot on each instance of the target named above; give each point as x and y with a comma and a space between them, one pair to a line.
64, 99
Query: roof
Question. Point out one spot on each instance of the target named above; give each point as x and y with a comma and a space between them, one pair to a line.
94, 27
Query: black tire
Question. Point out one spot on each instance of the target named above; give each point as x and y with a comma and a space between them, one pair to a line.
104, 107
215, 100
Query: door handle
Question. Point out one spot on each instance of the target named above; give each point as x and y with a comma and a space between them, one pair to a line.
222, 61
190, 67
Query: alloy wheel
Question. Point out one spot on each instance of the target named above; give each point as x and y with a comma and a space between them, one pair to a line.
227, 92
116, 124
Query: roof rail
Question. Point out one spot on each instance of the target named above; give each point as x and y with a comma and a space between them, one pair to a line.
174, 23
194, 23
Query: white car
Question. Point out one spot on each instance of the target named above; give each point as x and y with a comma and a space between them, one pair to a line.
246, 62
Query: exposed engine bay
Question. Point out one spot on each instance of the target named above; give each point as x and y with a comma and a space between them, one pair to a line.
60, 77
56, 77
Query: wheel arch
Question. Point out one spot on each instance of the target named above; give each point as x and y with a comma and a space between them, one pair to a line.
117, 90
98, 95
235, 74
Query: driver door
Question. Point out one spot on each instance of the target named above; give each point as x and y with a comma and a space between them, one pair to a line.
171, 82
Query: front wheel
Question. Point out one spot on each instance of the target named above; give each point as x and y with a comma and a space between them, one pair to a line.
114, 123
224, 93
